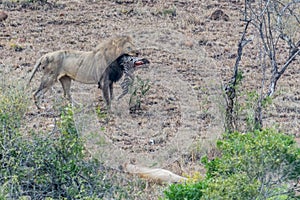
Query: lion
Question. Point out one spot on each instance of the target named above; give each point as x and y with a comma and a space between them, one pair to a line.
89, 67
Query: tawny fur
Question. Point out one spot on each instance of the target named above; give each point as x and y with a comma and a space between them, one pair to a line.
157, 175
85, 67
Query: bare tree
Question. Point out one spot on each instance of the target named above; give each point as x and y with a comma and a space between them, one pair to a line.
277, 26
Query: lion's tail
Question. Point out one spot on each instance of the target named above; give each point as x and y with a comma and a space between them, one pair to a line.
36, 66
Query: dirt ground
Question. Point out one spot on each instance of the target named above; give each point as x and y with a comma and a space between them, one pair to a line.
192, 55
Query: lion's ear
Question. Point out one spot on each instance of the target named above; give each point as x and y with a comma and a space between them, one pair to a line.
128, 39
128, 46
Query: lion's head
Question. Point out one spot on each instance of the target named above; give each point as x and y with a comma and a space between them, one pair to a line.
113, 48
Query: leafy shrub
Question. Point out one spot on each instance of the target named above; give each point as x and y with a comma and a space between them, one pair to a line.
59, 167
138, 92
41, 165
191, 191
257, 165
13, 104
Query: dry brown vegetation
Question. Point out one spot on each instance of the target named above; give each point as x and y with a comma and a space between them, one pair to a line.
192, 53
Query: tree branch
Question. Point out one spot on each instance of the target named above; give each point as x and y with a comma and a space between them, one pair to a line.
230, 88
276, 76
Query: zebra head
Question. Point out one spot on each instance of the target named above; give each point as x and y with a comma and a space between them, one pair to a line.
132, 62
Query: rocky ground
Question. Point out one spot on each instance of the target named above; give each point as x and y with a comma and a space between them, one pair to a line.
192, 51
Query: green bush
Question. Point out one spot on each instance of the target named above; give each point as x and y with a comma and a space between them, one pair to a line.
190, 191
40, 165
59, 168
13, 104
257, 165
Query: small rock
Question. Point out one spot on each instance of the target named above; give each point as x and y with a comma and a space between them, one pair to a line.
189, 44
202, 42
22, 40
3, 16
51, 125
151, 142
219, 15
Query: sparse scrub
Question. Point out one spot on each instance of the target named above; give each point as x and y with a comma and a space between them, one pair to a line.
26, 1
16, 47
139, 90
100, 113
167, 12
